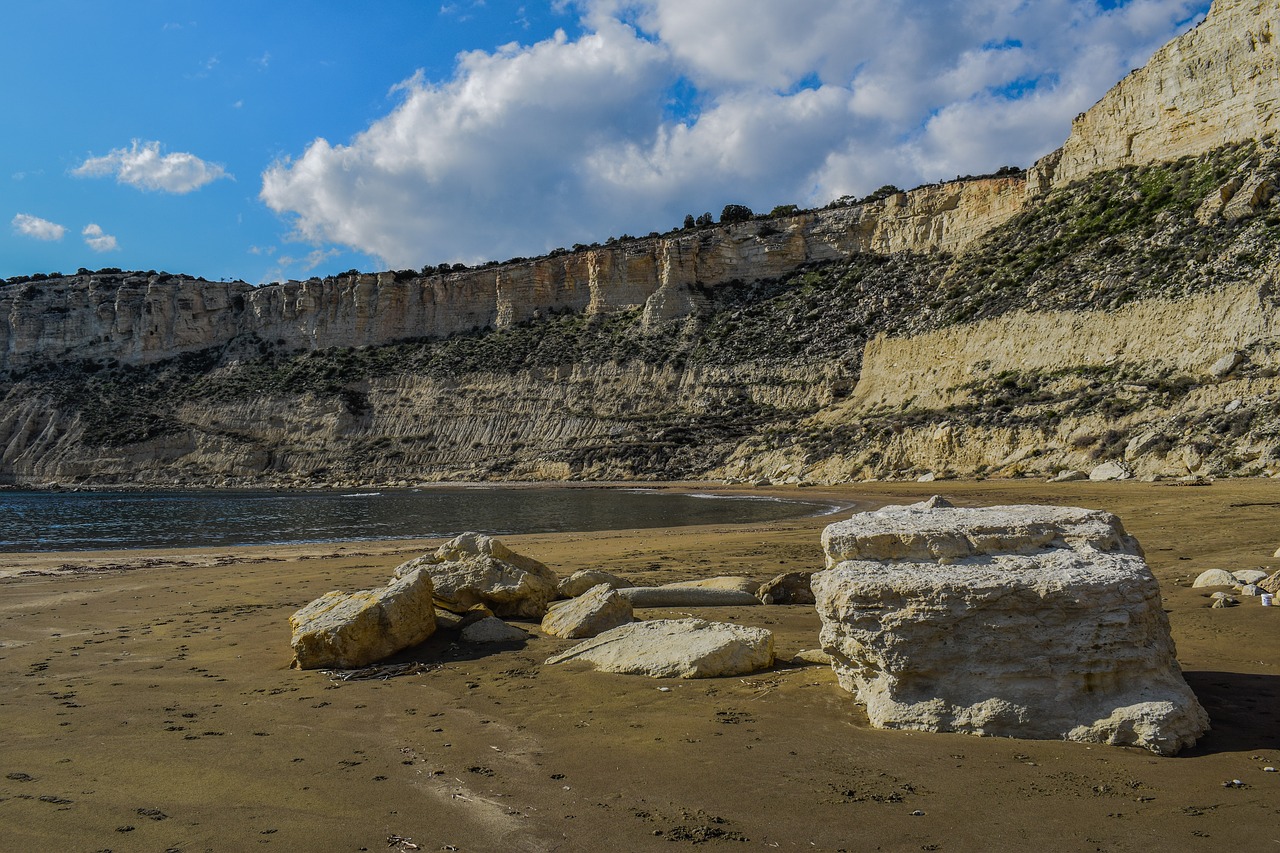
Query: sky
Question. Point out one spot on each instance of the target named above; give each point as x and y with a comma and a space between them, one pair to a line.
267, 141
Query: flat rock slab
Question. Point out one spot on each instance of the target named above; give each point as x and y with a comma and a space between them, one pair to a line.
676, 648
686, 596
344, 630
1032, 622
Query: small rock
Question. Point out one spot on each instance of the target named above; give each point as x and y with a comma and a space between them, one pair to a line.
1249, 575
817, 656
1250, 589
1271, 584
1068, 476
1214, 577
1222, 368
788, 588
584, 579
491, 629
1224, 602
1110, 471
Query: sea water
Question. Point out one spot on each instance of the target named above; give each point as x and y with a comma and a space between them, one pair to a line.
77, 521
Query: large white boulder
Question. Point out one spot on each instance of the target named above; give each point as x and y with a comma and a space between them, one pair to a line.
476, 569
676, 648
598, 609
352, 629
1018, 621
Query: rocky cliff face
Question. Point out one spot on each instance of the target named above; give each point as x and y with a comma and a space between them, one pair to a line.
1109, 307
141, 319
1212, 86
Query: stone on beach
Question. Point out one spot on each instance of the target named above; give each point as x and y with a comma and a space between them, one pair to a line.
352, 629
584, 579
1271, 584
491, 629
1247, 576
476, 569
788, 588
686, 596
598, 609
1019, 621
676, 648
1214, 577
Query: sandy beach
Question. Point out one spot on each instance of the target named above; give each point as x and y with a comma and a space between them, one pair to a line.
147, 704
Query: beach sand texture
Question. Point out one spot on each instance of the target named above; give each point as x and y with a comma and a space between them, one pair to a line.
146, 704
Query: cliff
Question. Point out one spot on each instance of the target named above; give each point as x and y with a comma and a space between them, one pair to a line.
137, 318
1117, 304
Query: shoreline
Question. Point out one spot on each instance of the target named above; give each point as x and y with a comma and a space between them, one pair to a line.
164, 687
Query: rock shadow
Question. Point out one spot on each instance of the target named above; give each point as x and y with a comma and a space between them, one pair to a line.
1244, 711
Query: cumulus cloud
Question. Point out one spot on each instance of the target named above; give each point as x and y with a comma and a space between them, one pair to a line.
95, 239
664, 107
143, 166
40, 229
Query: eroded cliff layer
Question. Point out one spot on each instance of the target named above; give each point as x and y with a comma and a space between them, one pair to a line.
1115, 305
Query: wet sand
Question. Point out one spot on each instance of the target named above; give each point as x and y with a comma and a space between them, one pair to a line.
147, 704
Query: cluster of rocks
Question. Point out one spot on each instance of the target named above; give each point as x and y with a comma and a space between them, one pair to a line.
1019, 621
472, 583
1244, 583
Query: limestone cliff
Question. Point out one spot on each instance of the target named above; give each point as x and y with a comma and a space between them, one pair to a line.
144, 318
1215, 85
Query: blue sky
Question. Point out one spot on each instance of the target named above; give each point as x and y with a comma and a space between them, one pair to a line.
268, 141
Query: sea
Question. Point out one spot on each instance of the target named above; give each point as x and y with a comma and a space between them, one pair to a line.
83, 521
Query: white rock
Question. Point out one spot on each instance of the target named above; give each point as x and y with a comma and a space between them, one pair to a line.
676, 648
353, 629
491, 629
1223, 366
1069, 476
1110, 471
1250, 589
476, 569
1034, 622
584, 579
1214, 577
919, 532
598, 609
1249, 575
686, 596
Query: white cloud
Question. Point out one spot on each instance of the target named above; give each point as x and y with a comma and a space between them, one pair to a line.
665, 107
143, 166
40, 229
96, 240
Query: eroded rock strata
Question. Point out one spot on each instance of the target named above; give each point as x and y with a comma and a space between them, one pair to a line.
1115, 304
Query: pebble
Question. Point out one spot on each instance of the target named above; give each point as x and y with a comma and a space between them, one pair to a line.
1234, 783
1268, 770
917, 813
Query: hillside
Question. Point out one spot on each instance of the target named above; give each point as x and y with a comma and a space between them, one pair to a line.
1117, 302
